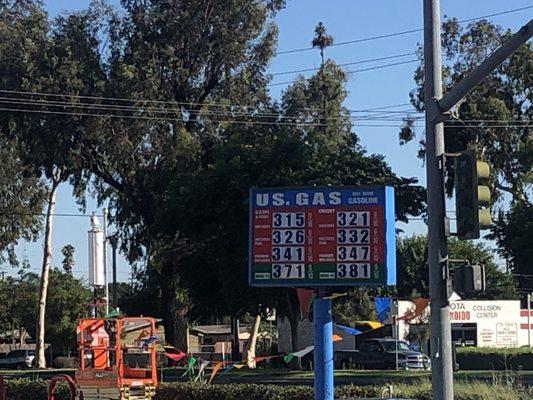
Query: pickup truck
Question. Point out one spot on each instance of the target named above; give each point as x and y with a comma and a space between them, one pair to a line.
18, 359
381, 354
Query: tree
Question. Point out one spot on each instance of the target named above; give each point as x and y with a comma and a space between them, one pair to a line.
58, 56
21, 201
68, 300
163, 158
68, 260
493, 118
413, 270
357, 306
321, 39
513, 231
18, 296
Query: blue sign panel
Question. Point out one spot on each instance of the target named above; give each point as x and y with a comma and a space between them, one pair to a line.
322, 237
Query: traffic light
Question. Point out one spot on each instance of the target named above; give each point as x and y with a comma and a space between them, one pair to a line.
472, 200
468, 279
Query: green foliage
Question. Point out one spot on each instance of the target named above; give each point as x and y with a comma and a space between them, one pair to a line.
18, 297
505, 96
67, 300
178, 183
412, 253
418, 389
68, 258
513, 231
494, 359
357, 306
22, 198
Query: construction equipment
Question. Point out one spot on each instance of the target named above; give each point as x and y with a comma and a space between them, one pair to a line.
117, 359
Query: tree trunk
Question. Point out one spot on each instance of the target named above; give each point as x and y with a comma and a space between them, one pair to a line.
174, 316
47, 255
252, 342
294, 316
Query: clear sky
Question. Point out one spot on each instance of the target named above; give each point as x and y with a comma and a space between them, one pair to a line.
346, 20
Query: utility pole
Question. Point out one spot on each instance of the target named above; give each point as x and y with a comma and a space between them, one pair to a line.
441, 336
436, 108
113, 241
105, 264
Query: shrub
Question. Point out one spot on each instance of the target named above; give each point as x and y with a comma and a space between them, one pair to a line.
476, 358
36, 390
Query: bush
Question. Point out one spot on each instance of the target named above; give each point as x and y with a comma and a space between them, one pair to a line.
36, 390
475, 358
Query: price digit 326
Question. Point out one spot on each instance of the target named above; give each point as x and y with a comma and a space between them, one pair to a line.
288, 236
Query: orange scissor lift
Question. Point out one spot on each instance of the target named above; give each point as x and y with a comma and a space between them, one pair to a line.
117, 359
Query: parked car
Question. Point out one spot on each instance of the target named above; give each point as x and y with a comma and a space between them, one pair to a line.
18, 359
381, 354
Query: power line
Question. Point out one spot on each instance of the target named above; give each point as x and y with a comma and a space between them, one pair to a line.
174, 103
406, 32
377, 116
10, 101
44, 214
345, 64
251, 122
357, 70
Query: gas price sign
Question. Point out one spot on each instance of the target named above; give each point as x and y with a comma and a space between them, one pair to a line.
322, 237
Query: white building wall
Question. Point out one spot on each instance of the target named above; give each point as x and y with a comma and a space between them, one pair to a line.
500, 323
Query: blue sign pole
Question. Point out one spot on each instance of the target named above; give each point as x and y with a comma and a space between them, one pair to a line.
323, 355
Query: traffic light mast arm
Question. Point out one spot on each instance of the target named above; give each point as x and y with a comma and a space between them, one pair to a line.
469, 82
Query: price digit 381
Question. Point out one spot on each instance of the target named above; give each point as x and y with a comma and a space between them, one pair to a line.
353, 271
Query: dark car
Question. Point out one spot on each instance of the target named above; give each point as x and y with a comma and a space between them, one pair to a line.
382, 354
19, 359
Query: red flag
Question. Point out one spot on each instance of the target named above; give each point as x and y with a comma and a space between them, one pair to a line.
305, 296
176, 356
419, 306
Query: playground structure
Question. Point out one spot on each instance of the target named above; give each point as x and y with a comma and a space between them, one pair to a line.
117, 360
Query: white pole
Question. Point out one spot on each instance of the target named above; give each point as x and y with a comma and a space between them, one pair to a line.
105, 264
395, 334
529, 320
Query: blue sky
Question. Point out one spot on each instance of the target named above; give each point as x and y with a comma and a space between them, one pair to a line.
345, 20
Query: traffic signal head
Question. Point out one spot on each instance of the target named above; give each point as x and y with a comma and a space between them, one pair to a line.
472, 200
468, 279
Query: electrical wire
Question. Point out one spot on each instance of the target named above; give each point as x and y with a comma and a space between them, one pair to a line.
406, 32
10, 101
123, 99
345, 64
174, 103
252, 122
356, 71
